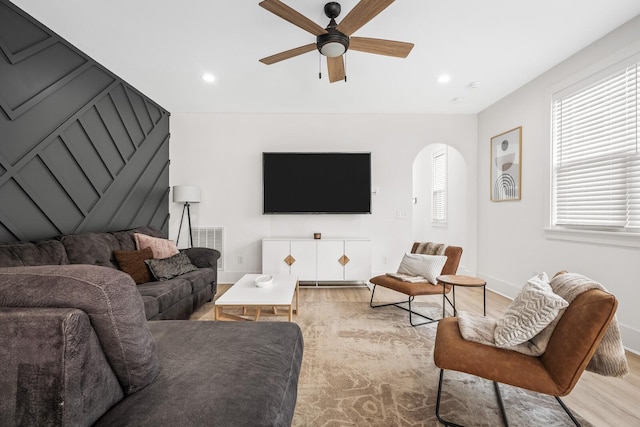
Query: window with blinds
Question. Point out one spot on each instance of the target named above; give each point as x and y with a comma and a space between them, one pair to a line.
439, 187
596, 162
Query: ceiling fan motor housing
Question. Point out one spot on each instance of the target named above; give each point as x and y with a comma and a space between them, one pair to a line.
332, 9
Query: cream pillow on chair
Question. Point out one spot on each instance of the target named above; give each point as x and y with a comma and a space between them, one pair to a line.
427, 266
535, 307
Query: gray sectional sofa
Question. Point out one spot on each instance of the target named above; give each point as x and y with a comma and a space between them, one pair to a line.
176, 298
76, 349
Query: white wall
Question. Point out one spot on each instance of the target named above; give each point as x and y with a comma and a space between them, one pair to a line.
222, 153
512, 245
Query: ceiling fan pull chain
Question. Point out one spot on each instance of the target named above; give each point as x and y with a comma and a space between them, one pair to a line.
345, 66
319, 65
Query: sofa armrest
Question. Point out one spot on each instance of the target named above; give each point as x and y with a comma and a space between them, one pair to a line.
203, 257
52, 368
110, 299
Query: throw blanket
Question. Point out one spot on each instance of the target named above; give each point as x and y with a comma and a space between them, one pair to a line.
408, 278
609, 358
431, 248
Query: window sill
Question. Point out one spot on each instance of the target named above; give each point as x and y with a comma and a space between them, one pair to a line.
596, 237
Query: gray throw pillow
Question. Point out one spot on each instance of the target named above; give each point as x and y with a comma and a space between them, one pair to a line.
167, 268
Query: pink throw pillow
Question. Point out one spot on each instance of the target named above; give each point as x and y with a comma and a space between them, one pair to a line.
161, 248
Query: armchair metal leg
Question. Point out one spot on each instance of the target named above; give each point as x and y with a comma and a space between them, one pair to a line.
500, 404
443, 421
567, 411
397, 304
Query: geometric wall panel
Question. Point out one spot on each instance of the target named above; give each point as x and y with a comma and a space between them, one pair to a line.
80, 149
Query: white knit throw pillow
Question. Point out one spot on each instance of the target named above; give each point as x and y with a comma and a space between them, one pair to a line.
535, 306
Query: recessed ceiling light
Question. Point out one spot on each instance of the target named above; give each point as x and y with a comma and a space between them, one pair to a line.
208, 77
444, 78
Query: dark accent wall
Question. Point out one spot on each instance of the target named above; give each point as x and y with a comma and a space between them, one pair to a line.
80, 149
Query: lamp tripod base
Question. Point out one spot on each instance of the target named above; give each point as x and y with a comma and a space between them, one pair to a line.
186, 207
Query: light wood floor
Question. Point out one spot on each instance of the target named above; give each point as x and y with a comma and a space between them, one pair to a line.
603, 401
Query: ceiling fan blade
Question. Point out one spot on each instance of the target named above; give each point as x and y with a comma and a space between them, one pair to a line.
380, 46
362, 13
288, 54
335, 65
296, 18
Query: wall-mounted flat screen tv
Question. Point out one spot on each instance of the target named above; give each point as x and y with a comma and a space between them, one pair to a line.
316, 183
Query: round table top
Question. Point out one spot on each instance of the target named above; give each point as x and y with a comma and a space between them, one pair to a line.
459, 280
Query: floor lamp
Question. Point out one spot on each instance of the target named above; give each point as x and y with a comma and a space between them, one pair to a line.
186, 194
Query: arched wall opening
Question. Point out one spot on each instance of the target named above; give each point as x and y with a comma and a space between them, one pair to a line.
454, 232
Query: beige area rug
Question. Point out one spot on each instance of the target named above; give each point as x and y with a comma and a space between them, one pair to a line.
369, 367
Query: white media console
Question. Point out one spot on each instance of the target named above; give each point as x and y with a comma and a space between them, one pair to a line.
318, 260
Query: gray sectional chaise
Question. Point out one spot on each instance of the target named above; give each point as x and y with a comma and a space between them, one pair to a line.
76, 349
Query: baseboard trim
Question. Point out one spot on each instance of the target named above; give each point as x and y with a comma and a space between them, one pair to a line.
630, 339
504, 289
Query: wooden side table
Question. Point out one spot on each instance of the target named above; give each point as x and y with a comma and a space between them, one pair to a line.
459, 280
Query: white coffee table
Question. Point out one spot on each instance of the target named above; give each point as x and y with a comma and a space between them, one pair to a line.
244, 293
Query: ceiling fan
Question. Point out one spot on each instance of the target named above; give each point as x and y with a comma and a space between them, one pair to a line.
334, 40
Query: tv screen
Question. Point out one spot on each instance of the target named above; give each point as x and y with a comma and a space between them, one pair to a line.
332, 183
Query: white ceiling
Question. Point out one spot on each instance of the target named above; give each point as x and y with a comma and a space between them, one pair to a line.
162, 47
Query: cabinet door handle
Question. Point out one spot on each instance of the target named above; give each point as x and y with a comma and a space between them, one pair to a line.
344, 260
289, 260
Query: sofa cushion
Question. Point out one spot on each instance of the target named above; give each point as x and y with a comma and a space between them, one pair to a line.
133, 263
167, 268
181, 310
167, 292
45, 252
111, 300
125, 240
91, 248
151, 306
250, 370
200, 278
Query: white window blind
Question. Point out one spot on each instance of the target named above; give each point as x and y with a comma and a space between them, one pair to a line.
596, 168
439, 187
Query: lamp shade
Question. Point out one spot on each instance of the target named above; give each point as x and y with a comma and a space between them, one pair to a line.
186, 194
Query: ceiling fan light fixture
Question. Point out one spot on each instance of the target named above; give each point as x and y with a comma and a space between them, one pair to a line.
332, 49
333, 43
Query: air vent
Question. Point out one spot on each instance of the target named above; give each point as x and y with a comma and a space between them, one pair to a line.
210, 237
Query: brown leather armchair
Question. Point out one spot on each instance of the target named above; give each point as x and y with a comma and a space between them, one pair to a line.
412, 290
574, 341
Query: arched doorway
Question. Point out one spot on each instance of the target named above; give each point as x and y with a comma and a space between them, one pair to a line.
454, 230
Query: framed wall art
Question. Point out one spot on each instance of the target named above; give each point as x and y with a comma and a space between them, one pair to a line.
506, 166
